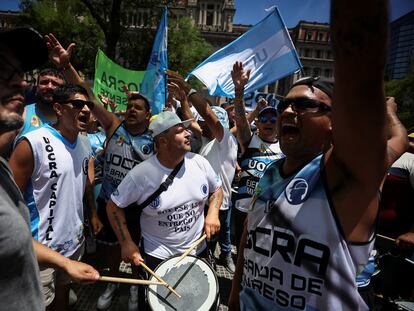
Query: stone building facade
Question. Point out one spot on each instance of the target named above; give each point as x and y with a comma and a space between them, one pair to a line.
313, 45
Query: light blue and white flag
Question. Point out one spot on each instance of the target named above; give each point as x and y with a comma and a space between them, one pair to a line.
153, 85
266, 49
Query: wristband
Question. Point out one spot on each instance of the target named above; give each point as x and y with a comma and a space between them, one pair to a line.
191, 92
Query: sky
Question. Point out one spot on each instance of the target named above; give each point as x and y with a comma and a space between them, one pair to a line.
292, 11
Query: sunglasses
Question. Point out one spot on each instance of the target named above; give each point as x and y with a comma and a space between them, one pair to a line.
302, 105
264, 119
78, 103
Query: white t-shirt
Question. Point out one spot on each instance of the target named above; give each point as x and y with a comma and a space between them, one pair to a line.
223, 158
175, 219
406, 162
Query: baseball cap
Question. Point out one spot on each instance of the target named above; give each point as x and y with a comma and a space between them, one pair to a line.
27, 45
164, 121
270, 109
318, 82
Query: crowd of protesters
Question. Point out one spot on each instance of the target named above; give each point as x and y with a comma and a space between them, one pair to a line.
301, 189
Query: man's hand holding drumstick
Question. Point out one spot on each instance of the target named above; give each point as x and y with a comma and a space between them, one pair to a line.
130, 253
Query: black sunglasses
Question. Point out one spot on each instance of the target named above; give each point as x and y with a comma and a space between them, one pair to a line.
302, 105
264, 119
78, 103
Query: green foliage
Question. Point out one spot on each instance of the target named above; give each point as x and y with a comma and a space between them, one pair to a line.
70, 22
186, 47
100, 23
403, 92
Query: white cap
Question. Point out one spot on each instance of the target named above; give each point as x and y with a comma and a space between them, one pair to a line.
164, 121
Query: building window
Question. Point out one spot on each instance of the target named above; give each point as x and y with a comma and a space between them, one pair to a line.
316, 71
308, 35
328, 55
320, 36
328, 73
307, 53
318, 54
209, 18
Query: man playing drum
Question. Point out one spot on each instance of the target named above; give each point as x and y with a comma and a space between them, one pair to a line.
175, 219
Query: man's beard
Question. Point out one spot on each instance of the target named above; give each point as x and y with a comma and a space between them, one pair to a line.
10, 124
43, 100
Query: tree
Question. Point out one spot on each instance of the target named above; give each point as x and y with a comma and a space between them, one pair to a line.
112, 15
94, 24
403, 91
186, 47
69, 21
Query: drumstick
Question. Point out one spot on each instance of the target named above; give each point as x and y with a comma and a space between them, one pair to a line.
385, 237
129, 281
188, 251
159, 279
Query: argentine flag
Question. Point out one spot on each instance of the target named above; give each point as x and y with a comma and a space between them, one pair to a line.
266, 49
154, 84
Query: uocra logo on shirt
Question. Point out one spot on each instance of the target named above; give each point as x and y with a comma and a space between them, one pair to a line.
204, 189
156, 203
296, 191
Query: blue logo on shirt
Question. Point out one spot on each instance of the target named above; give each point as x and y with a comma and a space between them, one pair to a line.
156, 203
204, 189
146, 149
296, 191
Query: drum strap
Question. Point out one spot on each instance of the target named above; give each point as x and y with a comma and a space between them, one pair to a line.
163, 187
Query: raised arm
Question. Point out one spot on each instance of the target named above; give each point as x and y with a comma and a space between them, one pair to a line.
200, 104
61, 57
176, 92
397, 142
240, 79
357, 162
359, 36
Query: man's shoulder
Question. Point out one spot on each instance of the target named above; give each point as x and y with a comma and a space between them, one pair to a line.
228, 137
30, 107
191, 156
37, 133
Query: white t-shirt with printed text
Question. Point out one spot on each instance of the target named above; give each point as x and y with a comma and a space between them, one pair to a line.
175, 219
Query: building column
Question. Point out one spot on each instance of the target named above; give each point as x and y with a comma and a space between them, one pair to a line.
215, 17
219, 18
200, 16
205, 17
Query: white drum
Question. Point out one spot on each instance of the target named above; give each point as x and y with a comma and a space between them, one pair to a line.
192, 278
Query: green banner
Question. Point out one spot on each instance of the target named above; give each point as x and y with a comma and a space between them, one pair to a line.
110, 77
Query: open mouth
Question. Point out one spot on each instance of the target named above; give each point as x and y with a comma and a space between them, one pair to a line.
269, 129
289, 132
83, 119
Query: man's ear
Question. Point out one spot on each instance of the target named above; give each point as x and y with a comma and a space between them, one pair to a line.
57, 108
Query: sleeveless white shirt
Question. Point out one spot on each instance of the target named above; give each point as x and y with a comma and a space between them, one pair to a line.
55, 191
